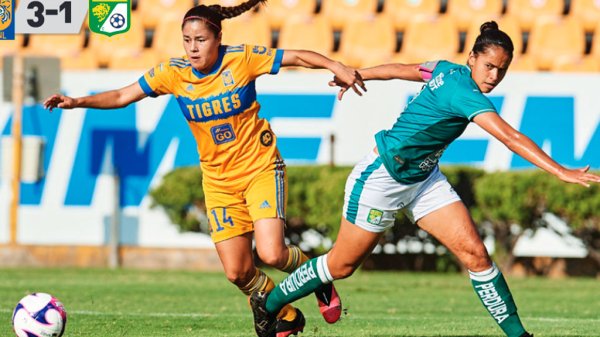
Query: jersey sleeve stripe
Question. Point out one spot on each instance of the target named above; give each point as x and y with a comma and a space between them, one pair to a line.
471, 116
146, 87
277, 61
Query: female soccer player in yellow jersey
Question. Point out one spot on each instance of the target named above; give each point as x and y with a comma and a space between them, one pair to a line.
244, 176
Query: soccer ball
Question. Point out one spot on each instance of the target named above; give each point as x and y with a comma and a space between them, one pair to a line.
39, 314
117, 21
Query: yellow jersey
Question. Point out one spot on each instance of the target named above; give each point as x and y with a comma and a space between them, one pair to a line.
221, 110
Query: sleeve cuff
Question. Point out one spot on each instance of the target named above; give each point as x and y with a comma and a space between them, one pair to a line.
277, 61
146, 87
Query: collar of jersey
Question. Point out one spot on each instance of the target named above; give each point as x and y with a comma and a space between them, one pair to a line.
215, 67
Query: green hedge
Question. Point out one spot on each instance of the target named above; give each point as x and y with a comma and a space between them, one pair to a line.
316, 193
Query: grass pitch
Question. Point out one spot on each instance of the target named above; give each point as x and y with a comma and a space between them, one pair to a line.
105, 303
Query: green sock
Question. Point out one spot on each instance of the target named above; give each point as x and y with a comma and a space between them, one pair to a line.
492, 290
309, 277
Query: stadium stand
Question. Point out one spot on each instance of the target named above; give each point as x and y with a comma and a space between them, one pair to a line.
464, 11
342, 11
154, 11
588, 11
429, 39
278, 12
506, 23
123, 49
585, 64
556, 38
528, 11
367, 41
167, 41
307, 32
251, 29
11, 47
71, 52
403, 11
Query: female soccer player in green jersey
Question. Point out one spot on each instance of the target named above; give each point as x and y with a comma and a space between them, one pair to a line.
402, 174
244, 177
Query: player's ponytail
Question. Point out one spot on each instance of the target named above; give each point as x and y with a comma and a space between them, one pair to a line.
231, 12
213, 15
491, 35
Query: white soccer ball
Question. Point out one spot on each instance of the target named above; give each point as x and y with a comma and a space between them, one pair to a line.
39, 314
117, 20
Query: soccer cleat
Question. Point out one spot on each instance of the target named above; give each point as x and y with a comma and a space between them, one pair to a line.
330, 303
264, 322
526, 334
287, 328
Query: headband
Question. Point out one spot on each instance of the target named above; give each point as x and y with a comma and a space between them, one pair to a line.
201, 19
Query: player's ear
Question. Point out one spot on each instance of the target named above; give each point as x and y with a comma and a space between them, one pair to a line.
220, 36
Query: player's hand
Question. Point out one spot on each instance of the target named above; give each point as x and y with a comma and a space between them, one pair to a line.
59, 101
346, 78
579, 176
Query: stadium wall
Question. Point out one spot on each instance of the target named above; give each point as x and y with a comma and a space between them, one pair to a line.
72, 204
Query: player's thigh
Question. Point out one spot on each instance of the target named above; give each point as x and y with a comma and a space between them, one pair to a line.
237, 259
352, 246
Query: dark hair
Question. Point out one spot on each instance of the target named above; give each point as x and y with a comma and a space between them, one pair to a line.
491, 35
213, 15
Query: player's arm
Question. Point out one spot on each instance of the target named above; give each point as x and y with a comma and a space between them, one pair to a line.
395, 71
347, 77
105, 100
526, 148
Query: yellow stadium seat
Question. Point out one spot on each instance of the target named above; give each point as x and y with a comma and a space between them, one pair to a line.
11, 47
583, 64
130, 43
368, 41
278, 12
342, 11
312, 33
168, 40
253, 29
154, 11
146, 59
464, 11
231, 3
69, 48
554, 38
428, 39
587, 11
403, 11
595, 52
523, 63
528, 11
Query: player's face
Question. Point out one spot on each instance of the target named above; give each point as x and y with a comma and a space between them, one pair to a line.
201, 45
488, 68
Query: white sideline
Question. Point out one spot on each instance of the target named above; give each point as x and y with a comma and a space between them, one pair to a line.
388, 318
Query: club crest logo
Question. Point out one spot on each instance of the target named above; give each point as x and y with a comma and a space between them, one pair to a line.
7, 26
374, 216
227, 78
110, 17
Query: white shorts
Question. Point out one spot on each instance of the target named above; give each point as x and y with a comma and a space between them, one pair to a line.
372, 197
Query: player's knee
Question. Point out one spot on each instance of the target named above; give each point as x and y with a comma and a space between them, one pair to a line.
239, 277
477, 259
341, 271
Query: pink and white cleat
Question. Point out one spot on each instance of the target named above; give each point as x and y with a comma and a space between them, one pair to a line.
330, 303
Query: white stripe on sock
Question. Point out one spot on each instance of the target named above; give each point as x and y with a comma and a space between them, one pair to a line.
323, 269
486, 275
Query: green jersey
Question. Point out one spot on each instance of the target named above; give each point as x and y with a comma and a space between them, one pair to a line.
438, 115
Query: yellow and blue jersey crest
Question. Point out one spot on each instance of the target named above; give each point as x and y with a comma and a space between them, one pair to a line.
7, 25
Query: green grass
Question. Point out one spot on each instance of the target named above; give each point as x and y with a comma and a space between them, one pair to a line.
104, 303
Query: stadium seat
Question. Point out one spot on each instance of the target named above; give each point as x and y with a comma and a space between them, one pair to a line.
587, 11
584, 64
464, 11
168, 40
341, 11
230, 3
278, 12
429, 39
553, 38
11, 47
528, 11
312, 33
71, 51
403, 11
130, 43
154, 11
367, 41
252, 29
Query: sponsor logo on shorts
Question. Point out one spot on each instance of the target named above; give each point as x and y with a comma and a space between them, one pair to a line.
374, 217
